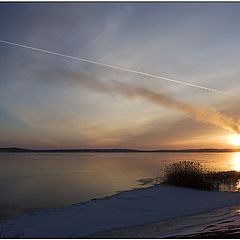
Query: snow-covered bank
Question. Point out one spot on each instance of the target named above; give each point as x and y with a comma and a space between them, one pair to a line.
218, 223
126, 209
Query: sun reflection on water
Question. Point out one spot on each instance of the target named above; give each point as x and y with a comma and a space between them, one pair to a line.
238, 185
236, 161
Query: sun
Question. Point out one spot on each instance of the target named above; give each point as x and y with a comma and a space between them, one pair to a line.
235, 139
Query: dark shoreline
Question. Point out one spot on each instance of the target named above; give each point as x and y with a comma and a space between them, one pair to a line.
115, 150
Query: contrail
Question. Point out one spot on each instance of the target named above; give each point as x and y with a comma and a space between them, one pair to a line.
118, 68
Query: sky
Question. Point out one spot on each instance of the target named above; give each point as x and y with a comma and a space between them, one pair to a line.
49, 101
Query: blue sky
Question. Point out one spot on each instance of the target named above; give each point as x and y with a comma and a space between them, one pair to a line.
44, 105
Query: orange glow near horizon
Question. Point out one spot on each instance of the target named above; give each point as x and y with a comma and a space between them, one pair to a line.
234, 139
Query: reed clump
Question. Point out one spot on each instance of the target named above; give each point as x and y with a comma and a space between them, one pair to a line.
189, 174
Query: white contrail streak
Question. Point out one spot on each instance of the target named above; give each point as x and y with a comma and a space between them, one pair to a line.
118, 68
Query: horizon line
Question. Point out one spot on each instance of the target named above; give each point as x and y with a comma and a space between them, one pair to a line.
18, 149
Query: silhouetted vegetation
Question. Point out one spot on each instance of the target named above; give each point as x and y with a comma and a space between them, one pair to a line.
228, 180
194, 175
189, 174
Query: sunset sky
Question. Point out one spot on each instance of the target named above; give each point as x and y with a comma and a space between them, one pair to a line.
48, 101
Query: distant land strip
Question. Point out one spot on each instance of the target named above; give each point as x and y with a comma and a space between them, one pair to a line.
113, 150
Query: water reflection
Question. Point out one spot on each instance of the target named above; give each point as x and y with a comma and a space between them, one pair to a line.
236, 161
41, 180
238, 185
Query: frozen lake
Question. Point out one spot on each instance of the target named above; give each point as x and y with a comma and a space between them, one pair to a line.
31, 181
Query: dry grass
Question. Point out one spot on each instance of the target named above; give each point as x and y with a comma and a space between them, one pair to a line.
188, 174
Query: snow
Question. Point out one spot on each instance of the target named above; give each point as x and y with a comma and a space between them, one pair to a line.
222, 222
129, 208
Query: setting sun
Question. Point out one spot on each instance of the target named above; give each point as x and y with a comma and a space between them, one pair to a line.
235, 139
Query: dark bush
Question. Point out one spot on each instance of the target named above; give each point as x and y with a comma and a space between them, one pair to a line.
188, 174
226, 180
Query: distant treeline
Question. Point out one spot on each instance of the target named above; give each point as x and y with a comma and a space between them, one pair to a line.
107, 150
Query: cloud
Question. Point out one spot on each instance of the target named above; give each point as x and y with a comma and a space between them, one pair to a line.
208, 115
